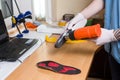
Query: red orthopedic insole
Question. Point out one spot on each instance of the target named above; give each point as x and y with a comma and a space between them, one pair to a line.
57, 67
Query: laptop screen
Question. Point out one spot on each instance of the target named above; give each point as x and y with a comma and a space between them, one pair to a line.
3, 31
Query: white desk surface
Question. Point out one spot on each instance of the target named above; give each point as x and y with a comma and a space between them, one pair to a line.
7, 68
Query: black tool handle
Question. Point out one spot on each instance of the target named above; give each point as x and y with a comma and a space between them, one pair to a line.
61, 40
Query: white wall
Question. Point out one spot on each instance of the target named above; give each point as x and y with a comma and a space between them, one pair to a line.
24, 6
62, 7
50, 11
70, 6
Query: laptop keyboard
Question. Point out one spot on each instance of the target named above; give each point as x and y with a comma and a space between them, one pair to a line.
8, 47
14, 49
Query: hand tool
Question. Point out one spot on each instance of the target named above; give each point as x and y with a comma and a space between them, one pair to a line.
86, 32
62, 39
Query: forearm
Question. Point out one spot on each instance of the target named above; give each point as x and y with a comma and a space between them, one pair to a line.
93, 8
80, 19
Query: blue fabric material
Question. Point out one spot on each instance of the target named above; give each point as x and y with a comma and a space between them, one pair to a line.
112, 21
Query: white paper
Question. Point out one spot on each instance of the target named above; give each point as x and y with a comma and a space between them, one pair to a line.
50, 29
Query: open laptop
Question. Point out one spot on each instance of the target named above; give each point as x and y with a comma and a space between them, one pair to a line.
12, 48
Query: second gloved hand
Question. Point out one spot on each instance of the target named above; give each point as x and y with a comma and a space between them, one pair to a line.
106, 36
78, 21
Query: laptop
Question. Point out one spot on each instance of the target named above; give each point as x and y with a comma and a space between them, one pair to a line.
12, 48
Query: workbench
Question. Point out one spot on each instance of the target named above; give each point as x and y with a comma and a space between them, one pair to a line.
78, 55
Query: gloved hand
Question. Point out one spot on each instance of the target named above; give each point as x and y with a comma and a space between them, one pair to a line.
78, 21
106, 36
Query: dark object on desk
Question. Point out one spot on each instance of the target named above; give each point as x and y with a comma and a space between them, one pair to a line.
68, 17
12, 48
61, 40
57, 67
